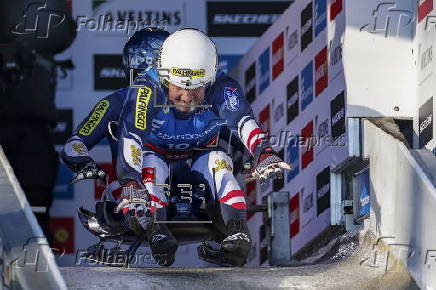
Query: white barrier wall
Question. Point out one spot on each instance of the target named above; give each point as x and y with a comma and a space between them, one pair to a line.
293, 77
403, 202
26, 258
388, 61
379, 58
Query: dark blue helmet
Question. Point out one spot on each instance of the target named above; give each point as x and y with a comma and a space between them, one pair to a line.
142, 49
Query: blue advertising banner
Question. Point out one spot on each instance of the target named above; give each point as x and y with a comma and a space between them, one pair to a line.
307, 85
320, 16
264, 68
363, 189
293, 157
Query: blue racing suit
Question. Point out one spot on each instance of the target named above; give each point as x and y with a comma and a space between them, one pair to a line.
93, 129
164, 134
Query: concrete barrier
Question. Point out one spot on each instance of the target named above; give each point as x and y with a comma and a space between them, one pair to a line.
403, 202
28, 262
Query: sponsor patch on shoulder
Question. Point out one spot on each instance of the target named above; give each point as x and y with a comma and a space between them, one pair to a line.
232, 98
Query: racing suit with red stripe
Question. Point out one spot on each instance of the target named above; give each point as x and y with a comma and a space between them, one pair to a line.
165, 134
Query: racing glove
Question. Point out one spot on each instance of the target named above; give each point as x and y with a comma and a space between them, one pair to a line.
135, 199
89, 170
268, 165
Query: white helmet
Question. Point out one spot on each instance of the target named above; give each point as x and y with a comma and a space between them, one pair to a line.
188, 59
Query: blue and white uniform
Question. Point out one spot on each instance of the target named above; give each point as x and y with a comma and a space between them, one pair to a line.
138, 54
165, 134
93, 129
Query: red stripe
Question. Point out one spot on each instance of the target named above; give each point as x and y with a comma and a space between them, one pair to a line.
335, 9
255, 144
213, 141
148, 175
239, 205
424, 9
253, 133
157, 200
278, 68
230, 194
278, 43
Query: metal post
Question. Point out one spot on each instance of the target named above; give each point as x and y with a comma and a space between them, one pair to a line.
278, 207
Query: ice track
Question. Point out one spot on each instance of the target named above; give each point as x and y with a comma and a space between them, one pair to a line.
337, 266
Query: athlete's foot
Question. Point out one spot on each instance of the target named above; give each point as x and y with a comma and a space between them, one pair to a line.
236, 246
162, 243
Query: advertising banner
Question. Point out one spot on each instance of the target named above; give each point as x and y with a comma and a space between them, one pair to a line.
294, 208
306, 26
62, 229
242, 18
426, 123
293, 100
311, 87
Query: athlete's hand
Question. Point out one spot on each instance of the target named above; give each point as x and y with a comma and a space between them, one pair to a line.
133, 197
269, 165
89, 171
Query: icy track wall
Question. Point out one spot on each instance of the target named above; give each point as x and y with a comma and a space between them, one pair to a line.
403, 202
26, 261
293, 77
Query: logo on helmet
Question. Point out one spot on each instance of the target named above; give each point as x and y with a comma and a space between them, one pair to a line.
186, 72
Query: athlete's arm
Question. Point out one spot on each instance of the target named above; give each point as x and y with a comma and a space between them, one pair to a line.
230, 101
136, 117
234, 107
91, 130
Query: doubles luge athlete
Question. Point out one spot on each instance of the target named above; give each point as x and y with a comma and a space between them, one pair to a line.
139, 54
175, 113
